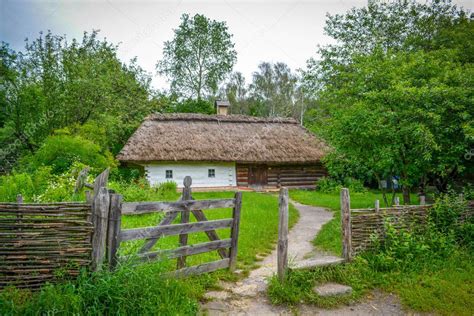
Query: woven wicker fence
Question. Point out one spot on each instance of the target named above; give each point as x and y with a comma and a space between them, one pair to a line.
41, 242
359, 225
367, 222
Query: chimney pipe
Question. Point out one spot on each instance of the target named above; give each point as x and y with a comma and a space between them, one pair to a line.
222, 107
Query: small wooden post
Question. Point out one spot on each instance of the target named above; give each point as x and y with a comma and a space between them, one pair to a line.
114, 222
397, 201
346, 224
282, 250
19, 216
183, 238
422, 200
234, 231
101, 181
100, 212
88, 196
377, 206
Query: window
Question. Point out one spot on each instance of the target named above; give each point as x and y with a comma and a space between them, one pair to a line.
169, 174
211, 173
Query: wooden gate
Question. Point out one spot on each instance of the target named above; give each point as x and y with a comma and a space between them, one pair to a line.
184, 207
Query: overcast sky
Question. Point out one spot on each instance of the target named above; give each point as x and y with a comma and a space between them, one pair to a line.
287, 31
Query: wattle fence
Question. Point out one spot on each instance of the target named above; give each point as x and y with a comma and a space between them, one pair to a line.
42, 243
360, 225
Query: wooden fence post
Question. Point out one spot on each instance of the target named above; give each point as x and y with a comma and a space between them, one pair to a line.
397, 201
234, 231
19, 198
100, 212
183, 238
282, 250
377, 206
346, 224
422, 200
114, 222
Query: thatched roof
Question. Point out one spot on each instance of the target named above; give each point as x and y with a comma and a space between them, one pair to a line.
243, 139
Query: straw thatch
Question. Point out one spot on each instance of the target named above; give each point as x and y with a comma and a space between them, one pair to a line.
232, 138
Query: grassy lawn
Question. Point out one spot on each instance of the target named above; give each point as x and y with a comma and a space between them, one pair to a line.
442, 287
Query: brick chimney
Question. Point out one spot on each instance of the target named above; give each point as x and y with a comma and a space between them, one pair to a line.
222, 107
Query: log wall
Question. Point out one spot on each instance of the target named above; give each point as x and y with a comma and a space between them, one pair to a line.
286, 175
39, 242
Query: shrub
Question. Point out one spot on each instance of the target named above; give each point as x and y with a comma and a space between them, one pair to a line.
138, 290
140, 190
26, 184
61, 151
329, 185
61, 187
195, 106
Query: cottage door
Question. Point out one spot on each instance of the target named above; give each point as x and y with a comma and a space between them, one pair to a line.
258, 176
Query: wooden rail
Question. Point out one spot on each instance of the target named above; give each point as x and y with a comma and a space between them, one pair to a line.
184, 207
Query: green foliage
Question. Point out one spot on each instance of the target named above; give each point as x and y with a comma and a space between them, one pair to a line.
61, 151
29, 185
406, 94
57, 83
195, 106
141, 190
199, 57
129, 290
329, 185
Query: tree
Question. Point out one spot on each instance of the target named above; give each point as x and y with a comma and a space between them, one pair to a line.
199, 57
399, 104
275, 86
54, 83
236, 91
404, 25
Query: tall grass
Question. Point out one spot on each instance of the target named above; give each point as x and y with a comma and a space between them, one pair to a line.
129, 290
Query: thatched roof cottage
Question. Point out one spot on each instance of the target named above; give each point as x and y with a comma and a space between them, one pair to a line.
226, 151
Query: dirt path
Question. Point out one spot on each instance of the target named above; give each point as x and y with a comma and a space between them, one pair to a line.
247, 297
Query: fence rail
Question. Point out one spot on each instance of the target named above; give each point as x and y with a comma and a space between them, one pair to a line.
184, 207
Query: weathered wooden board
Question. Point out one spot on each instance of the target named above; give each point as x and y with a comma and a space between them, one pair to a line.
202, 268
176, 229
150, 207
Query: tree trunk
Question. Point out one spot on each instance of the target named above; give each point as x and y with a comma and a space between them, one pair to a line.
406, 195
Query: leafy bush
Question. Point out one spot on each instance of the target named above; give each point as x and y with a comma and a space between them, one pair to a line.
330, 185
195, 106
61, 151
27, 184
129, 290
141, 190
61, 187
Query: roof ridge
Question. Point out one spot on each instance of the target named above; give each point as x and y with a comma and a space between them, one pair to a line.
233, 118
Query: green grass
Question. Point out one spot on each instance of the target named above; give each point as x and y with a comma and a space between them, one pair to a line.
442, 287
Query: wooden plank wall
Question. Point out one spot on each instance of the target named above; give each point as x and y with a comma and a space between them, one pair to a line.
286, 175
40, 241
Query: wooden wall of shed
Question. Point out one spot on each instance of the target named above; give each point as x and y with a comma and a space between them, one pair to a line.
286, 175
